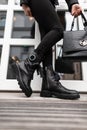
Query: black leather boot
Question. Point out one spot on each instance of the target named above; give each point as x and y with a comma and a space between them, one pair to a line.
24, 71
51, 87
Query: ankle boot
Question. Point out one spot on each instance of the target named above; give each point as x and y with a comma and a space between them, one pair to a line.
53, 88
24, 71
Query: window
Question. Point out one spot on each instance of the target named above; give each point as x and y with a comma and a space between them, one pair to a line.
2, 23
17, 2
23, 27
3, 2
22, 53
0, 52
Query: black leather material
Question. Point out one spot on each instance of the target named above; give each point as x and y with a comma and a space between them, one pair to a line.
22, 77
72, 41
24, 71
75, 44
72, 45
54, 88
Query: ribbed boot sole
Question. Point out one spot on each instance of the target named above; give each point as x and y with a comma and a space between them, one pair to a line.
46, 93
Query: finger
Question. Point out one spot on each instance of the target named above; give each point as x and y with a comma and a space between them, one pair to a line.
30, 14
73, 13
76, 13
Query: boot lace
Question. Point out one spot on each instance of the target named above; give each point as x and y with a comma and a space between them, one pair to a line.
56, 76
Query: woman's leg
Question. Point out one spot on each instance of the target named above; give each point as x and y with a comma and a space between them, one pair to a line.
48, 56
47, 61
45, 15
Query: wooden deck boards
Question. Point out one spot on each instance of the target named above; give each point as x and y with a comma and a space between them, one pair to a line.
35, 113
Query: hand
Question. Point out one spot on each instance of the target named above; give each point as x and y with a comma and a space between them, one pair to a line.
27, 10
76, 10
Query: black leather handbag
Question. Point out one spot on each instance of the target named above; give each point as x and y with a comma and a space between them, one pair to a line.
75, 43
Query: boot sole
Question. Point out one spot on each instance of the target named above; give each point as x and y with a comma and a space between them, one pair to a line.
25, 89
46, 93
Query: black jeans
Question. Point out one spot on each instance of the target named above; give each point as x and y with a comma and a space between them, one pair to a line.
47, 60
48, 20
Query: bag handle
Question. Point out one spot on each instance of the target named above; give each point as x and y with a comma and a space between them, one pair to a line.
85, 20
83, 17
